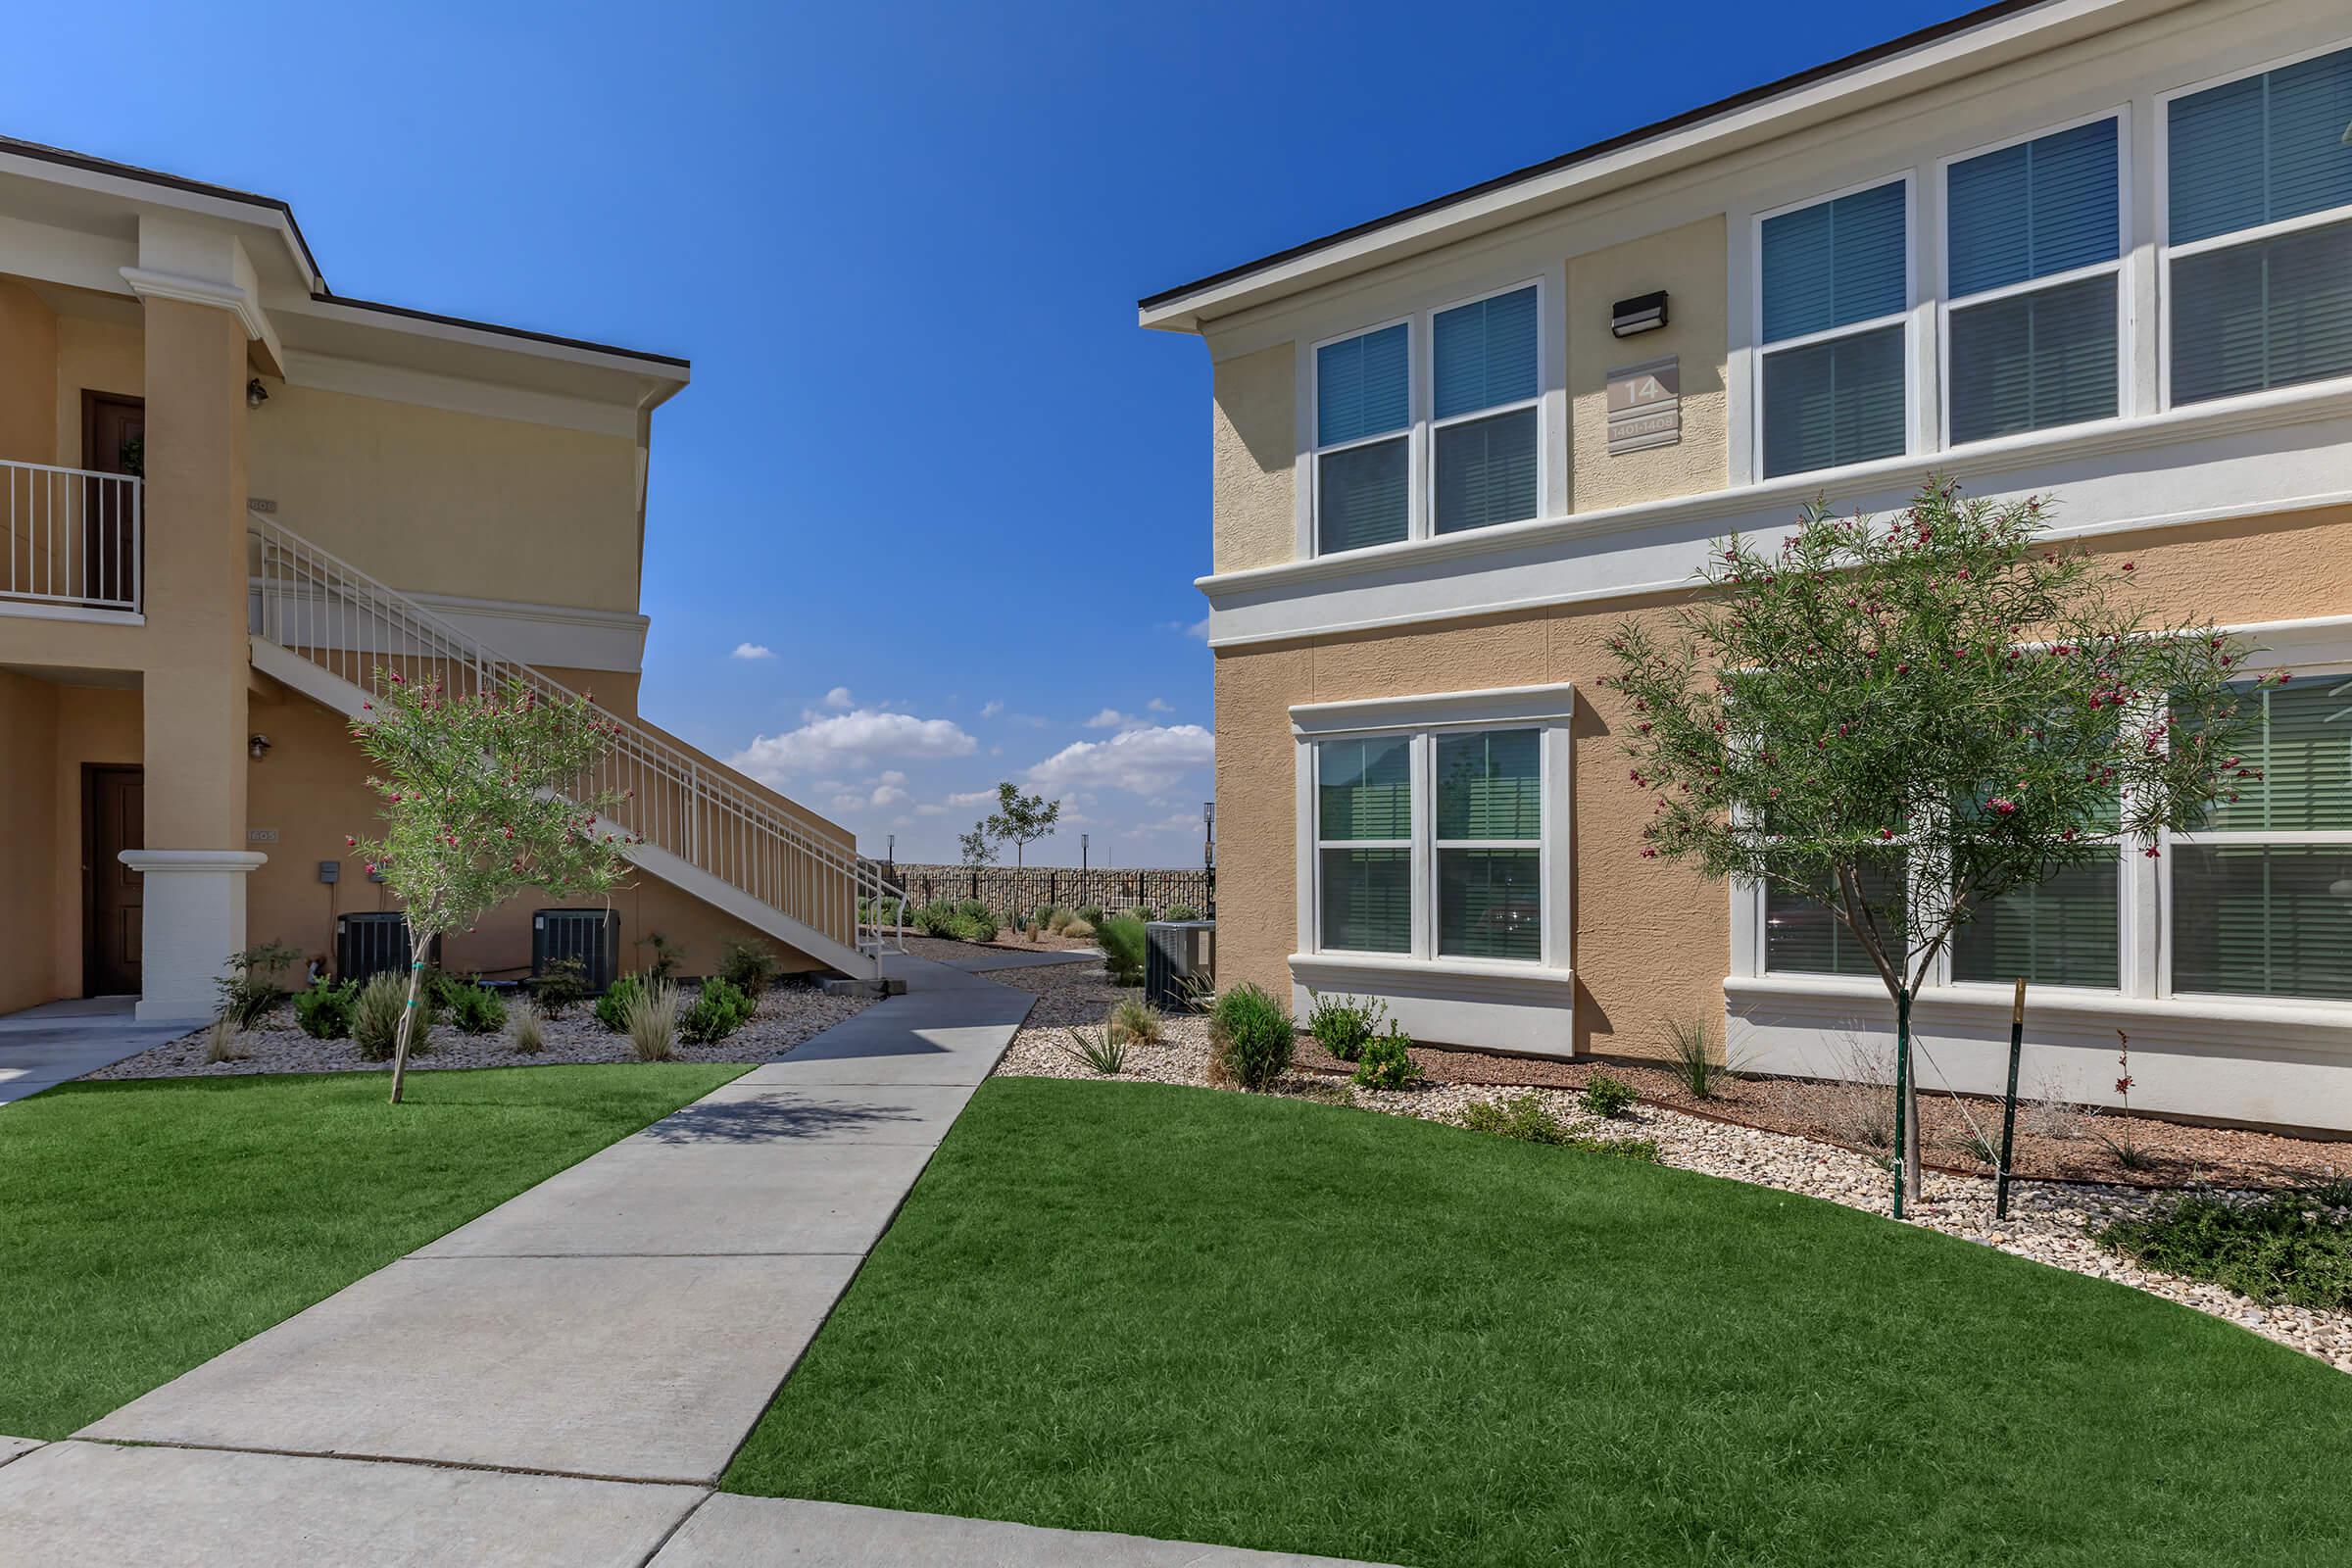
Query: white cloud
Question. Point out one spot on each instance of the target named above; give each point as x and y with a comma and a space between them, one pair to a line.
992, 709
1198, 629
851, 741
839, 697
1140, 761
888, 795
1160, 705
753, 651
1112, 718
973, 798
930, 808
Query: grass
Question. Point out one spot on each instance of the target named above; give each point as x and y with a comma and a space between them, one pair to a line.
1260, 1322
148, 1226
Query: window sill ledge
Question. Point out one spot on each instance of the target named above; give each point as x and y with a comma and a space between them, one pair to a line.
1838, 989
1374, 964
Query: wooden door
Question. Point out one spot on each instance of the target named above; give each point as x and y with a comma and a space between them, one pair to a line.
113, 818
114, 440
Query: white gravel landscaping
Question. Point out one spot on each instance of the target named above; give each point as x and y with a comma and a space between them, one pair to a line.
788, 1014
2049, 1222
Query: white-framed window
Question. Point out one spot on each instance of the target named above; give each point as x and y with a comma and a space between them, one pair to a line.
1430, 425
1435, 830
2256, 208
2034, 312
2260, 895
1834, 291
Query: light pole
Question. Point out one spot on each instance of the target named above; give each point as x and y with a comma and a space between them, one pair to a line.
1081, 853
1208, 834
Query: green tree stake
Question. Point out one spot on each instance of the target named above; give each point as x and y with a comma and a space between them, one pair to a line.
1902, 1090
2017, 1047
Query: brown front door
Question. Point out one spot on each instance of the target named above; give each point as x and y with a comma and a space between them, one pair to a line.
114, 819
114, 440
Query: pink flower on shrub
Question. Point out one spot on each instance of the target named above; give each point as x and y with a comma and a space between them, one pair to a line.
2003, 805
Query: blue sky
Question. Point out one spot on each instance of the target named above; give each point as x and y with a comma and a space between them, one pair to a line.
928, 462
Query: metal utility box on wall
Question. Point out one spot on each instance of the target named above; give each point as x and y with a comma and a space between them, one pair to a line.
1180, 960
591, 936
367, 945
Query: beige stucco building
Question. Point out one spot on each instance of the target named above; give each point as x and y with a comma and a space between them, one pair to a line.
2098, 251
231, 496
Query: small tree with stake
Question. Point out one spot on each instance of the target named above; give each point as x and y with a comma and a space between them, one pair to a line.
1020, 820
1903, 720
480, 802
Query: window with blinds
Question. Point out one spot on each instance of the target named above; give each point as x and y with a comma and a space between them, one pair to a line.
2065, 930
1835, 290
1363, 442
1803, 936
1483, 412
1490, 845
2259, 230
1364, 844
2262, 893
2032, 262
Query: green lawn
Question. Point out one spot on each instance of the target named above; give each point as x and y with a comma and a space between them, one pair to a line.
148, 1226
1218, 1318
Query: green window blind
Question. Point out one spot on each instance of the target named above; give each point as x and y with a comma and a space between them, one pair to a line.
1484, 354
1367, 899
1490, 904
2302, 746
1490, 785
2261, 149
1363, 386
1835, 402
1486, 472
1362, 496
2041, 207
1366, 788
2263, 920
1835, 263
2028, 362
1805, 937
2064, 930
2273, 313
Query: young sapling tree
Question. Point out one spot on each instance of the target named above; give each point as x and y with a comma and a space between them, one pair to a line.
1020, 820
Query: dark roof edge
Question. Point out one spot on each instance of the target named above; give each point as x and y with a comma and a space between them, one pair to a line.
1624, 139
197, 187
503, 331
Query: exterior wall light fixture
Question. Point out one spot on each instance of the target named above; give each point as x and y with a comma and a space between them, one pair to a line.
1645, 313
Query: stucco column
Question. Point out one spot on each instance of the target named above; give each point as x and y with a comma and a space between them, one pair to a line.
195, 860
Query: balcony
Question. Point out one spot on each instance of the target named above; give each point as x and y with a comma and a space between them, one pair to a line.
73, 542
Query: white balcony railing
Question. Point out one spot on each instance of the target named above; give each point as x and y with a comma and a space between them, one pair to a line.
74, 539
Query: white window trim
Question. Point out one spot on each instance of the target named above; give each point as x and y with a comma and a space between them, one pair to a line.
2118, 268
1907, 318
1420, 429
2167, 251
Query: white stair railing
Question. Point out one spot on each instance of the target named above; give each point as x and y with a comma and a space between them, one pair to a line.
331, 612
73, 537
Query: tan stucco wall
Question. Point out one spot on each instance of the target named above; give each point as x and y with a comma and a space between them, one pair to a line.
95, 357
27, 868
28, 375
1651, 941
1689, 264
436, 500
1252, 449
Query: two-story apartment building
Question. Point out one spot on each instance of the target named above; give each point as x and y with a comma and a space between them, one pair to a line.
231, 496
2098, 251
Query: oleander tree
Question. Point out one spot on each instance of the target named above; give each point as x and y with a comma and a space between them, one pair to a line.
481, 800
1903, 719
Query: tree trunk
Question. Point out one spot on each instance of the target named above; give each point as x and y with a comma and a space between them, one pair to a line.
417, 941
1908, 1112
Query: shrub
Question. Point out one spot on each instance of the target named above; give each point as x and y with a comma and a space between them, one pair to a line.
1142, 912
472, 1007
375, 1017
525, 1027
970, 927
1058, 919
935, 919
1520, 1116
2289, 1246
1131, 1018
1249, 1037
667, 955
226, 1041
324, 1010
1607, 1097
1121, 939
1690, 1046
719, 1009
613, 1007
563, 983
1091, 914
250, 990
1388, 1062
1102, 1052
1342, 1025
751, 968
1183, 912
1079, 930
973, 910
652, 1020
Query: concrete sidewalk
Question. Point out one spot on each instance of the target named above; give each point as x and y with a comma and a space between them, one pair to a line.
56, 1041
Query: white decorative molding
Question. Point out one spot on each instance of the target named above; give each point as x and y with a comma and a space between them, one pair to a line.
240, 303
150, 862
1495, 705
2267, 453
193, 919
30, 610
1496, 1007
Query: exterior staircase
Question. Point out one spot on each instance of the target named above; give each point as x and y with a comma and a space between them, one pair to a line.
329, 631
